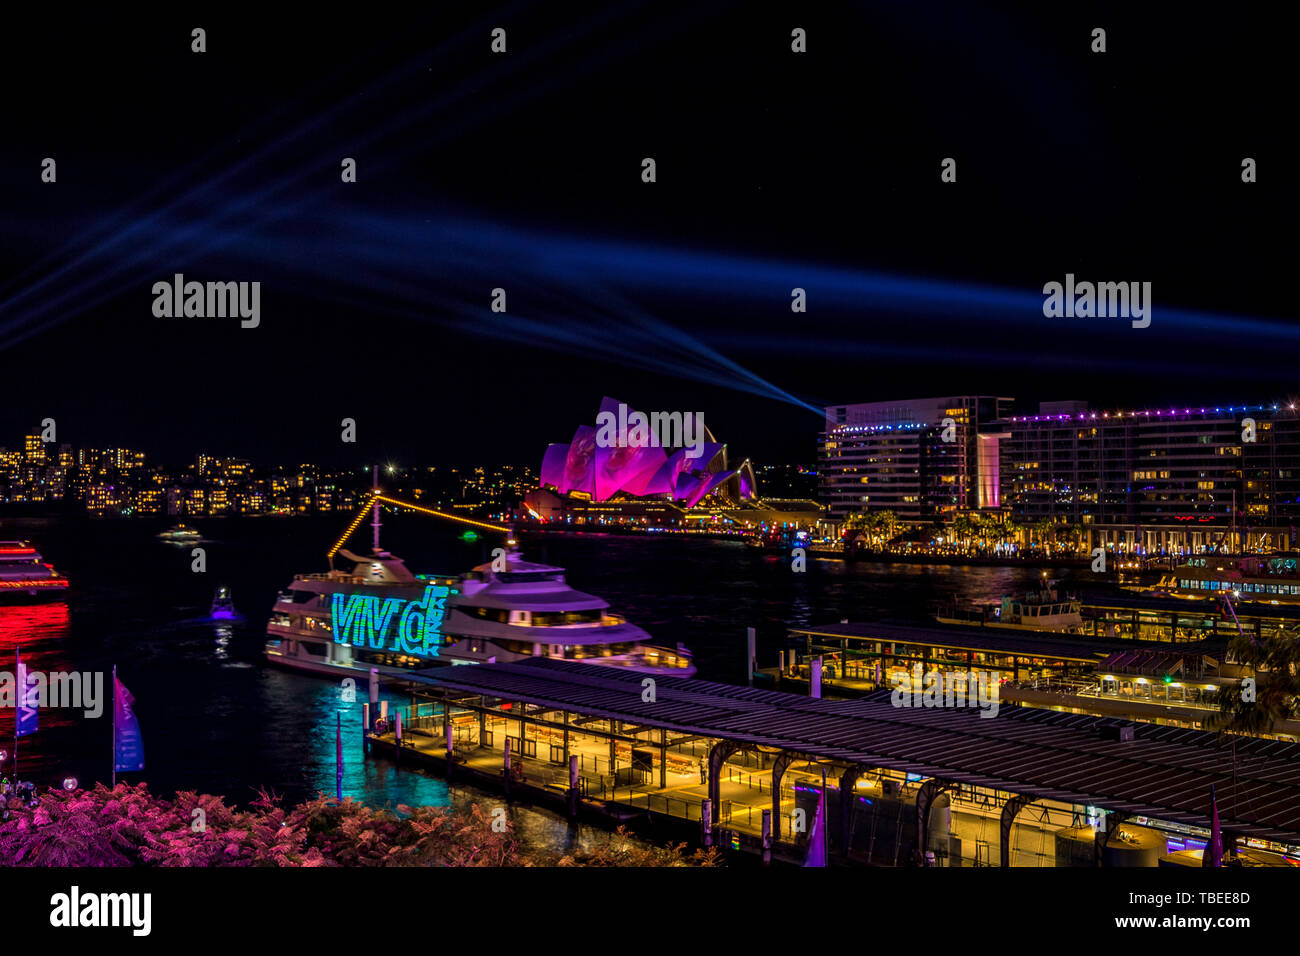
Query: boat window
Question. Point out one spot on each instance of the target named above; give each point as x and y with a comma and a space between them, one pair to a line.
527, 577
560, 618
302, 597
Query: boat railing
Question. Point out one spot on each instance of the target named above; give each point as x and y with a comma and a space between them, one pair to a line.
608, 620
639, 657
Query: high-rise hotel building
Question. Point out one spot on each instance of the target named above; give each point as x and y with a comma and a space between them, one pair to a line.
921, 459
1162, 479
1174, 478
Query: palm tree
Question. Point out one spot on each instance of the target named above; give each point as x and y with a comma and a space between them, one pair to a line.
887, 524
1275, 663
962, 528
991, 529
1072, 533
1043, 529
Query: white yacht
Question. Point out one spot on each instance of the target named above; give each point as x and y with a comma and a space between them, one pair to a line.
511, 609
180, 534
381, 615
25, 578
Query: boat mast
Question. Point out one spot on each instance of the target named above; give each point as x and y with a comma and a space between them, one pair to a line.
374, 521
1233, 540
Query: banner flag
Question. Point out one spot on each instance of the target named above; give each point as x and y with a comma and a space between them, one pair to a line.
27, 719
128, 747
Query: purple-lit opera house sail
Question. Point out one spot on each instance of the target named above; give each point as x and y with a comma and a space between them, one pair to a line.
686, 475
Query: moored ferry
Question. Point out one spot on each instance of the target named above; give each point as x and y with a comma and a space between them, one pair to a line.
1046, 608
381, 615
1268, 578
25, 578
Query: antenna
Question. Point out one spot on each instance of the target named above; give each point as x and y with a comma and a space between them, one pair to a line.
374, 523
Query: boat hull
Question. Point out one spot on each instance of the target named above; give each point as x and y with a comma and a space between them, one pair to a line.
326, 668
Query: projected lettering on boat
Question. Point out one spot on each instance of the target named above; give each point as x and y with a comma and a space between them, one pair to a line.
393, 624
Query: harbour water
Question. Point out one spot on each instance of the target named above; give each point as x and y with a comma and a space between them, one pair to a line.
215, 718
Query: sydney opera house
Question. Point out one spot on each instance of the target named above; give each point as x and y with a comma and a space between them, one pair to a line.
584, 478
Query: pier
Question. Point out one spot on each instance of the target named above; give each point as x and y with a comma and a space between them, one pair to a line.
1170, 683
743, 767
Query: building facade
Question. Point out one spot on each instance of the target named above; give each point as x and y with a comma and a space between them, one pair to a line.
920, 458
1168, 479
1172, 480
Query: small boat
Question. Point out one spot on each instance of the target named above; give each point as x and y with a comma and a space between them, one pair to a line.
223, 606
181, 533
777, 540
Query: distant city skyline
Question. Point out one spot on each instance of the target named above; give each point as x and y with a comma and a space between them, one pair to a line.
121, 481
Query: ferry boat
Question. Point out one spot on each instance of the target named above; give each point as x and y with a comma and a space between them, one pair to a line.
180, 533
1046, 608
25, 578
223, 605
1266, 579
379, 614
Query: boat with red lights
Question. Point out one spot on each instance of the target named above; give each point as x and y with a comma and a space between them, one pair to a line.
25, 578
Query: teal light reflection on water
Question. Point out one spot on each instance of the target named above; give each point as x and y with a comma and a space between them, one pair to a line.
380, 782
377, 783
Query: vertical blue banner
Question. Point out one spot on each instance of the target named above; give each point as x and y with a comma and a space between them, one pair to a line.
128, 747
27, 719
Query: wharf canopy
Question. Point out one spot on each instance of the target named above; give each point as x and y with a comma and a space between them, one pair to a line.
1164, 773
584, 468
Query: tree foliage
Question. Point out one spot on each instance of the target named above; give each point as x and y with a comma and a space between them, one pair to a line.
128, 826
1275, 663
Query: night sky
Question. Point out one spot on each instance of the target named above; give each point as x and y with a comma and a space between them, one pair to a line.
523, 171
